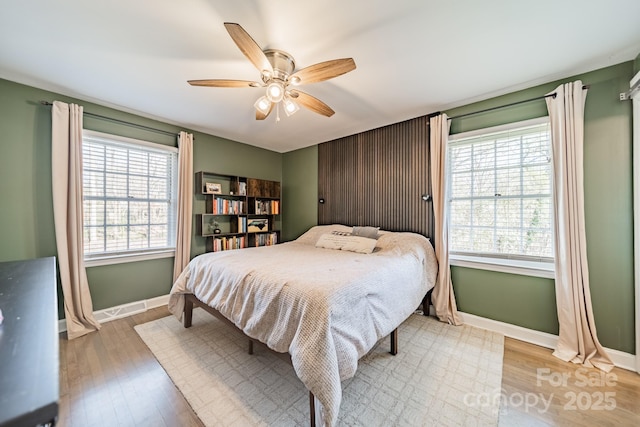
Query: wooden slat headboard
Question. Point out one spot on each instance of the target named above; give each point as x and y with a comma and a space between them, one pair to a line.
378, 178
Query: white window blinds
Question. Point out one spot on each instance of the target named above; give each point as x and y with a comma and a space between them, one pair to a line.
500, 192
129, 192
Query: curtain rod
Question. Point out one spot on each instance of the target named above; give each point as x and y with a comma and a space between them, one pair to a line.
509, 105
122, 122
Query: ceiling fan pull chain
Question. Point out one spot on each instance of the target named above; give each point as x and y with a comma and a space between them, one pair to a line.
277, 112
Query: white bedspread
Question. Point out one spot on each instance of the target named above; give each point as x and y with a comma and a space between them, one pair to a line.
327, 308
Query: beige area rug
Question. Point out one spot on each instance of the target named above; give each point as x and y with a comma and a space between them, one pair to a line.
442, 376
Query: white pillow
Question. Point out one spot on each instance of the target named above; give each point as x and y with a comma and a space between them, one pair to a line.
361, 245
311, 236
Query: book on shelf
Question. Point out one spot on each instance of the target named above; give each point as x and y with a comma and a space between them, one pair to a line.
242, 188
242, 224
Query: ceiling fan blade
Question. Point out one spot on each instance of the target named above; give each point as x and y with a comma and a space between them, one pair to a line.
312, 103
324, 70
224, 83
249, 47
261, 116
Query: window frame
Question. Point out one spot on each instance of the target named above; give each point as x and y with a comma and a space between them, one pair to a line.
514, 264
117, 257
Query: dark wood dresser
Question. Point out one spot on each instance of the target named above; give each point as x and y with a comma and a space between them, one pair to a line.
29, 357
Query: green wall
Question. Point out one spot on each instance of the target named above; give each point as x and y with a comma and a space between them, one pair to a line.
300, 191
26, 212
26, 218
530, 301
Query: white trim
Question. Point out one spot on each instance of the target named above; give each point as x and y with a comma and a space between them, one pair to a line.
124, 310
474, 259
171, 153
497, 129
635, 99
619, 358
635, 80
111, 139
543, 339
503, 265
119, 259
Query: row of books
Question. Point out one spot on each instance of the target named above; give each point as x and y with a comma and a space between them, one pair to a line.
223, 206
267, 207
227, 207
266, 239
227, 243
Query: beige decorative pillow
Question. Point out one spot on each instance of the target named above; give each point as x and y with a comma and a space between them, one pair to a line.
361, 245
311, 236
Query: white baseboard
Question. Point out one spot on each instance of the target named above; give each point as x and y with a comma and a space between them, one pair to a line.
619, 358
543, 339
124, 310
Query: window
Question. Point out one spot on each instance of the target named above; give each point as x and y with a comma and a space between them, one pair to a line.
500, 202
129, 189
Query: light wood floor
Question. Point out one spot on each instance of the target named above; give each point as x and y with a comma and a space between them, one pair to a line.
111, 378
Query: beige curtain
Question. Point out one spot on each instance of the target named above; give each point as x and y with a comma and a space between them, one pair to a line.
577, 341
66, 163
443, 299
185, 207
636, 201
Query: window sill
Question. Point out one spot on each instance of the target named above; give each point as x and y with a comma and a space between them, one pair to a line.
122, 258
512, 266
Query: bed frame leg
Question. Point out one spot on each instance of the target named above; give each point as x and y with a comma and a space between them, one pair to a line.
312, 410
187, 315
394, 342
250, 346
426, 302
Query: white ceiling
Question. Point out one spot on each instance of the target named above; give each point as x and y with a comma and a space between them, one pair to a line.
413, 57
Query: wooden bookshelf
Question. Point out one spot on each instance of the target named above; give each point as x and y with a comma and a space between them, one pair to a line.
239, 212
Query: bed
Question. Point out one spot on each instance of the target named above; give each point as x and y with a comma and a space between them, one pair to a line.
325, 307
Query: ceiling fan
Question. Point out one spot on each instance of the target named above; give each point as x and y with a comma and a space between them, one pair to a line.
279, 76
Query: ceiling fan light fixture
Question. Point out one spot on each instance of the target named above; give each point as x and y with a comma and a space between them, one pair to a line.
275, 92
263, 104
295, 80
290, 107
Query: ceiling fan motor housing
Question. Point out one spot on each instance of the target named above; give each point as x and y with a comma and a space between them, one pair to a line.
282, 63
